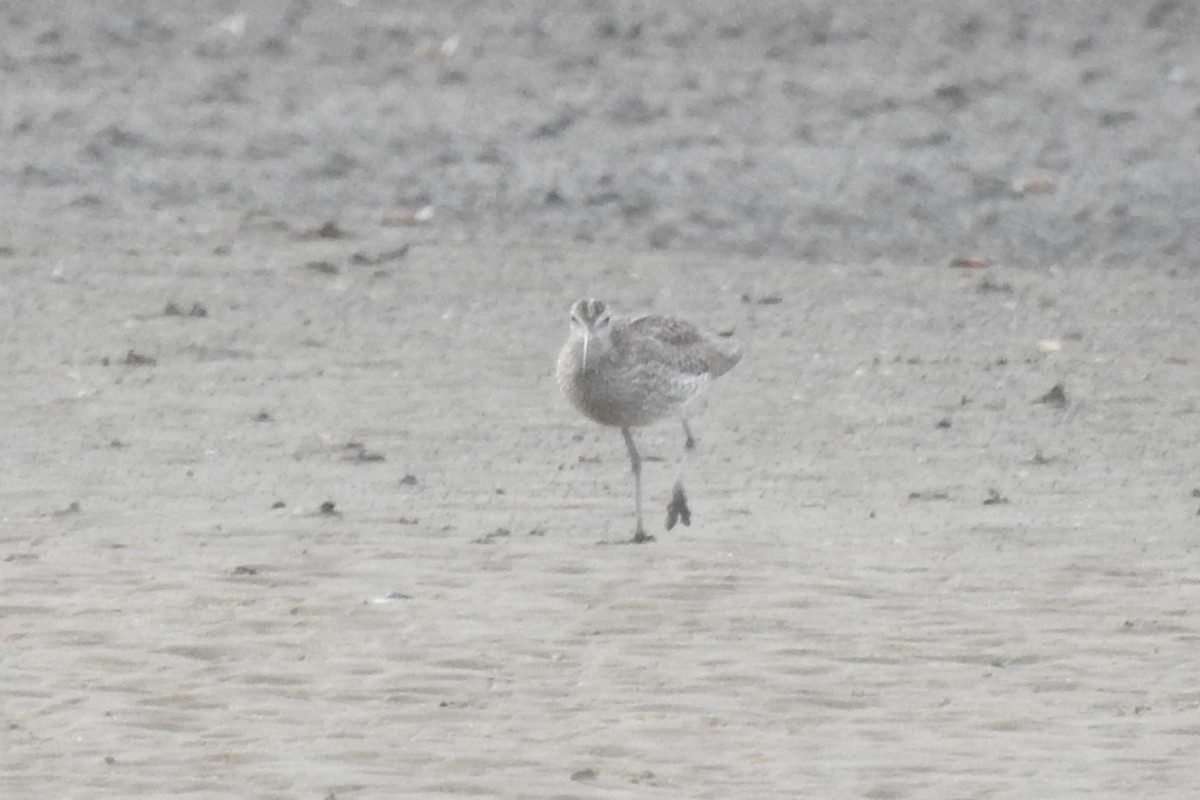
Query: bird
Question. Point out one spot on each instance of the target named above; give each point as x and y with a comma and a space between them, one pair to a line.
628, 372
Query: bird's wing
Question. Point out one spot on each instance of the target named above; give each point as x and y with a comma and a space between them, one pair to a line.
668, 330
675, 342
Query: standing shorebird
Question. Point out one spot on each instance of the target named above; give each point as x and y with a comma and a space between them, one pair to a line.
631, 372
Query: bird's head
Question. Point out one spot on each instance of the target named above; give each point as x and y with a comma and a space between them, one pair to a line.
591, 320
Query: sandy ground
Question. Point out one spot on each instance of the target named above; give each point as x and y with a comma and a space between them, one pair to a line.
906, 576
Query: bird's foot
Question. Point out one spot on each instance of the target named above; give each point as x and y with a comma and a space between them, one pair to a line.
641, 538
677, 509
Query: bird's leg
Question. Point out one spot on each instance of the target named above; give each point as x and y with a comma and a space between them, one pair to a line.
677, 510
635, 461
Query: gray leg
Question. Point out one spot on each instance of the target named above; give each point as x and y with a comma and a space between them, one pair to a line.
635, 461
677, 510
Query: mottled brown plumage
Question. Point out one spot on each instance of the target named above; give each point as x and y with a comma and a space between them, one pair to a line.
631, 372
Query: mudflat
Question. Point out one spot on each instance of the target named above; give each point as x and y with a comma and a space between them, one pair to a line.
292, 506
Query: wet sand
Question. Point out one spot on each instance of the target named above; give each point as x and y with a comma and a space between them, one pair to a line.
913, 571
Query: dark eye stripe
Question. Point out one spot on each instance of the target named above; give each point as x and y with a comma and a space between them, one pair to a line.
590, 311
